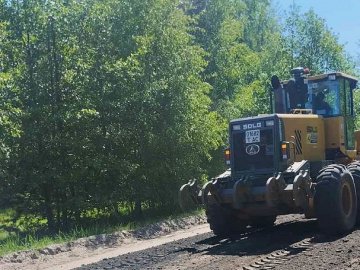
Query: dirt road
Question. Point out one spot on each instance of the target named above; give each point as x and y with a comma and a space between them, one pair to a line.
294, 243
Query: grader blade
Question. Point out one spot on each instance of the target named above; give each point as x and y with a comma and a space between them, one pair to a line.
189, 195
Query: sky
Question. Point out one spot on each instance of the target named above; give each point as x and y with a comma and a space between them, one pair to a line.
342, 17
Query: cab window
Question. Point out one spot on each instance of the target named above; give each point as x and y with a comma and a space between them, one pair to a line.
324, 98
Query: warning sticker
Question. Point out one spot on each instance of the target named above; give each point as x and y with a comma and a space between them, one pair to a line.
312, 135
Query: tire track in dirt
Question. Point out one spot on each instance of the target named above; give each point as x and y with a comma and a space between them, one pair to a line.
277, 258
288, 238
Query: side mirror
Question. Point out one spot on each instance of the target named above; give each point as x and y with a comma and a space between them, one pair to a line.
275, 82
354, 85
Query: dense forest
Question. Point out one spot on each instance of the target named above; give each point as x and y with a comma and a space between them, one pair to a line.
108, 105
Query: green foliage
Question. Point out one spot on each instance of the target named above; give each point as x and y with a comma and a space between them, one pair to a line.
357, 108
114, 107
311, 43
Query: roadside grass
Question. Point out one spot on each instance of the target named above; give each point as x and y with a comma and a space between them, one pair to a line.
36, 238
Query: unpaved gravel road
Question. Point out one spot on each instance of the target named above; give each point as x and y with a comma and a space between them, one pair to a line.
294, 243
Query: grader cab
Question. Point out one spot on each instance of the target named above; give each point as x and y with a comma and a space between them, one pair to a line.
301, 159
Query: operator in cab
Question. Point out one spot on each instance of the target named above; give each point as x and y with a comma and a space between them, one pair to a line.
320, 105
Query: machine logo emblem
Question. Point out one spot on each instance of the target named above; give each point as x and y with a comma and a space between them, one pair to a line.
252, 149
251, 126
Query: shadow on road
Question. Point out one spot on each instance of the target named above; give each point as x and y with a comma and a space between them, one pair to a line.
258, 242
289, 238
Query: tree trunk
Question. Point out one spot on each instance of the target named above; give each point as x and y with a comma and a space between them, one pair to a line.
138, 210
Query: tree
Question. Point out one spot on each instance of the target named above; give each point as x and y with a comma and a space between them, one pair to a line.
311, 43
167, 105
10, 113
114, 108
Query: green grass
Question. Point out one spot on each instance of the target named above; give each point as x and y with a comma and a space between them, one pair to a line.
32, 239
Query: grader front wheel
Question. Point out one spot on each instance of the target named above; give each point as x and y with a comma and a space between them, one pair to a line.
335, 200
223, 222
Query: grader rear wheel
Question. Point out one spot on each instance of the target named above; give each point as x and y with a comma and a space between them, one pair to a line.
335, 200
354, 169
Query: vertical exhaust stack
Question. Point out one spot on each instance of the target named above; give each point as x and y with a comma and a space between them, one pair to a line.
279, 95
292, 94
297, 88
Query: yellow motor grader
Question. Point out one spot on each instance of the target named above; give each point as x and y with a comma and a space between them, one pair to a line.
300, 159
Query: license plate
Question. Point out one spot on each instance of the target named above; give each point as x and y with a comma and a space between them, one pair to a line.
252, 136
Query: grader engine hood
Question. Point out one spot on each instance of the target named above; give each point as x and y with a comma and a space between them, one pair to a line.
255, 144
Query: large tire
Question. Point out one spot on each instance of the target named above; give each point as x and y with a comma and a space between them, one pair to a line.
335, 200
354, 169
222, 220
263, 222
